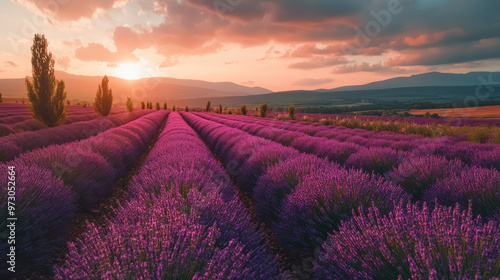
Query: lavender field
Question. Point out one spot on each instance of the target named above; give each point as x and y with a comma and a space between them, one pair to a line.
160, 194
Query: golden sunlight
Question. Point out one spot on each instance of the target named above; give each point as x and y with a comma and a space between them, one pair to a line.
129, 71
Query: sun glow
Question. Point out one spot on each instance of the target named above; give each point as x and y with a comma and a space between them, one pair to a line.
129, 71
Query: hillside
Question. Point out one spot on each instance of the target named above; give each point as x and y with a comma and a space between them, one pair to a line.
153, 89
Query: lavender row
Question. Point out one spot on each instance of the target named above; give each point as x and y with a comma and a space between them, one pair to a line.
412, 242
415, 120
355, 147
16, 144
30, 124
300, 196
428, 177
183, 220
55, 183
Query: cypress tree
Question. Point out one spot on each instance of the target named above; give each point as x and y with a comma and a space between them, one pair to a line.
130, 105
103, 98
46, 94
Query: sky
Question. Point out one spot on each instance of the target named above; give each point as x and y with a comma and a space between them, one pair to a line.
276, 44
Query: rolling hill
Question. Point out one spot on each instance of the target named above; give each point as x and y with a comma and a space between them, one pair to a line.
149, 89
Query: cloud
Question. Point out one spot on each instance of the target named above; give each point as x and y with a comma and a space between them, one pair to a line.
318, 62
367, 67
11, 64
312, 82
66, 10
63, 62
97, 52
112, 65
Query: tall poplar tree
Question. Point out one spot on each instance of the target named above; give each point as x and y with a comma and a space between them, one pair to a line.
46, 94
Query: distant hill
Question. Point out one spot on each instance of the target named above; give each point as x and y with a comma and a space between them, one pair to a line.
148, 89
353, 97
424, 80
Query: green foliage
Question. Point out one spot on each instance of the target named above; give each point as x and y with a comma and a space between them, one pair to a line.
186, 109
263, 108
165, 106
291, 111
143, 105
103, 98
84, 105
158, 106
243, 109
130, 105
207, 108
46, 94
427, 115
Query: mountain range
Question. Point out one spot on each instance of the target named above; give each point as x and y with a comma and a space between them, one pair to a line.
430, 87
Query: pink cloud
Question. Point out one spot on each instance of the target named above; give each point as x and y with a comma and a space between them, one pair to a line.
97, 52
65, 10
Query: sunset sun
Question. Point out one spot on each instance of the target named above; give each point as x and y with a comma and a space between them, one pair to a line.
129, 71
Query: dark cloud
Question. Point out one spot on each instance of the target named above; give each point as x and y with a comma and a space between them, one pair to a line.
312, 82
423, 32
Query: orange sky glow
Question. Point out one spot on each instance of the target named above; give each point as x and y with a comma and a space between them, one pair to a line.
279, 45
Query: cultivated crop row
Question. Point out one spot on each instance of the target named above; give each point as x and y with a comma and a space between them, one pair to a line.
18, 143
183, 220
357, 224
348, 146
422, 175
55, 183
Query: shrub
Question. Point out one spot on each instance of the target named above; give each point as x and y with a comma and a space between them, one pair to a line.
378, 160
143, 106
263, 108
243, 110
46, 94
291, 111
158, 106
165, 106
103, 98
130, 105
207, 107
412, 243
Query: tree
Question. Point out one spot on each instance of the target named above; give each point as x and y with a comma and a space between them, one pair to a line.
68, 102
46, 94
291, 111
103, 98
243, 109
220, 108
207, 108
1, 100
427, 115
165, 106
143, 105
186, 109
130, 105
263, 109
157, 106
173, 108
